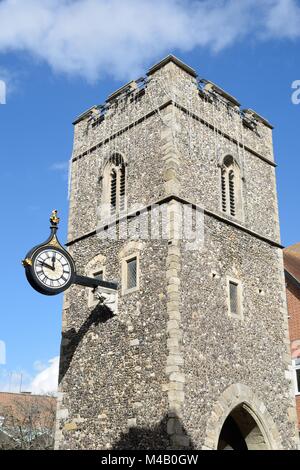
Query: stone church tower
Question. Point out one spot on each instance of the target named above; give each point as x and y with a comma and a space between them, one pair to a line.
196, 353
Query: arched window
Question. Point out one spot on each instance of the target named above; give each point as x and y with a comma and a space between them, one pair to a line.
114, 187
230, 187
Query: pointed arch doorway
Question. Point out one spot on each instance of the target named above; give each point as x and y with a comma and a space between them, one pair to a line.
239, 407
241, 431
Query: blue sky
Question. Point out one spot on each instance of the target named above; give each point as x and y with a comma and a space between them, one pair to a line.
250, 51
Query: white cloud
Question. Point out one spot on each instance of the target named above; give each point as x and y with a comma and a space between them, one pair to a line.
46, 380
92, 38
59, 166
10, 80
39, 365
284, 20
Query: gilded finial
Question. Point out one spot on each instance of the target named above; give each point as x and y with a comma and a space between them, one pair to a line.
54, 220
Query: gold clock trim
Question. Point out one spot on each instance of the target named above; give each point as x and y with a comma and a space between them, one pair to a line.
54, 242
27, 262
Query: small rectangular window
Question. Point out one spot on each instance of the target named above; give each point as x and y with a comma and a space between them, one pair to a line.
131, 273
97, 275
92, 297
297, 375
233, 292
234, 298
298, 380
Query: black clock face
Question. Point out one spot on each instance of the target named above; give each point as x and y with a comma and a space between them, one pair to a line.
51, 270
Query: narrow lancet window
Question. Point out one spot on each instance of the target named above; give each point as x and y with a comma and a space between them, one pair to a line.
114, 186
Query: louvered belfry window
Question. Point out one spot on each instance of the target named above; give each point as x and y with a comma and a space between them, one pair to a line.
223, 189
117, 185
113, 191
231, 193
122, 188
229, 186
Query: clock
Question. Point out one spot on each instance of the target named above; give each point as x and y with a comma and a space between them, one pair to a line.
49, 268
50, 271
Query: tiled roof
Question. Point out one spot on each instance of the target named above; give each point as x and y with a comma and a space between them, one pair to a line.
291, 258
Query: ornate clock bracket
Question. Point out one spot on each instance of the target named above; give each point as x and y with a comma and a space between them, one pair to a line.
80, 280
105, 288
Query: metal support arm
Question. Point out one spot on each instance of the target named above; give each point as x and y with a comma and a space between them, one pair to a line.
93, 282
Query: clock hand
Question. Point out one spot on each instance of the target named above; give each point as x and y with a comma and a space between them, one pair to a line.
53, 260
47, 265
